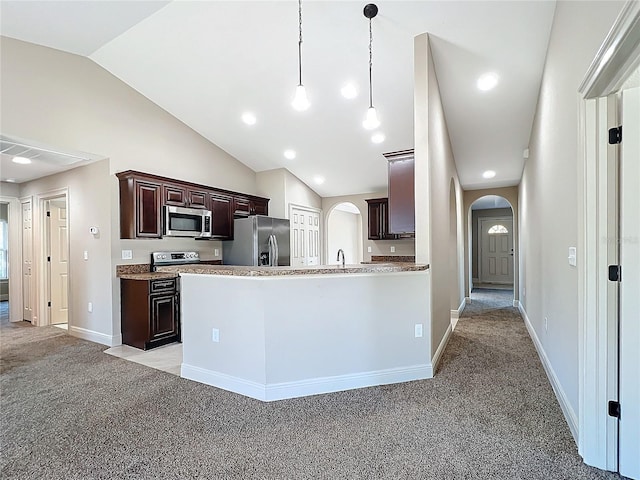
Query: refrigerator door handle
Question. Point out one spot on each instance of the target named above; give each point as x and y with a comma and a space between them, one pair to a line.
275, 251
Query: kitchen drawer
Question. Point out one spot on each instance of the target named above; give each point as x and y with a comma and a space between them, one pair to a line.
164, 285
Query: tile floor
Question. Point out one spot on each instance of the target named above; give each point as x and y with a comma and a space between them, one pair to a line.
167, 358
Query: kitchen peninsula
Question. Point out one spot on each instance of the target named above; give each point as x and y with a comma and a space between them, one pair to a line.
282, 332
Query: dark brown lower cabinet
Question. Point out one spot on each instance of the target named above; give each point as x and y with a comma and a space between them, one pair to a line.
150, 312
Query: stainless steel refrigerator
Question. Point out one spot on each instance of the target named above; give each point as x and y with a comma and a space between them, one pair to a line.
258, 241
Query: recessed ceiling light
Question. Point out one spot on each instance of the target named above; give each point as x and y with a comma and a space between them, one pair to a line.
249, 118
378, 137
10, 180
318, 180
489, 174
22, 160
290, 154
349, 91
487, 81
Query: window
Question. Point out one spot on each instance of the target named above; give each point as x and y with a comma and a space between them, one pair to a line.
4, 245
498, 229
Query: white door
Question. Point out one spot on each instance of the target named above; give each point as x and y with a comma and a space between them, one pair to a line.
496, 250
59, 261
629, 427
305, 236
27, 262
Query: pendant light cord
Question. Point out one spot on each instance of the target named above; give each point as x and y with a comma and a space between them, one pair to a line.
300, 42
370, 65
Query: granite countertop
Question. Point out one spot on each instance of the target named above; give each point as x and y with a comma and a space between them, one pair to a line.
148, 275
290, 271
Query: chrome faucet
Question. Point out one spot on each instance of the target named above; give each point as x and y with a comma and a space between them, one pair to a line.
340, 251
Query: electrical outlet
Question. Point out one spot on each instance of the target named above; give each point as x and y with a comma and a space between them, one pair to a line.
393, 249
418, 330
85, 255
127, 254
546, 324
369, 249
90, 307
216, 252
215, 335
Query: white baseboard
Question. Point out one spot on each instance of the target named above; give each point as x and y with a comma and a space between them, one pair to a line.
97, 337
467, 300
455, 314
441, 347
516, 303
569, 413
302, 388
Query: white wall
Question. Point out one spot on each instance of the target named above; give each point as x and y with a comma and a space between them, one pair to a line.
404, 246
9, 189
344, 230
548, 191
284, 188
88, 109
89, 280
435, 169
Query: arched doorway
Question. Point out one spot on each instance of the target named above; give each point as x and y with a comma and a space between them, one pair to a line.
492, 252
344, 231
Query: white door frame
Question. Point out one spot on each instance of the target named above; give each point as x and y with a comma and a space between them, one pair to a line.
496, 220
617, 58
15, 258
40, 261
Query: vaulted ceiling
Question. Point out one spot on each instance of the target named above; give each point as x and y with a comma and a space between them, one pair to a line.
208, 62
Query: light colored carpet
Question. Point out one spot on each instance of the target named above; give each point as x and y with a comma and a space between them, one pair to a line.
69, 411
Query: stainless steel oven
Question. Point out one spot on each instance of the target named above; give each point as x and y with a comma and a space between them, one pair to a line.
186, 222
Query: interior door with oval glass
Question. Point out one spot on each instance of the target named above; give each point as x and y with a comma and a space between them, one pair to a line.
496, 250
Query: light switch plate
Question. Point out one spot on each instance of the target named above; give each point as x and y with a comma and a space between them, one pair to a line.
369, 249
572, 258
127, 254
393, 249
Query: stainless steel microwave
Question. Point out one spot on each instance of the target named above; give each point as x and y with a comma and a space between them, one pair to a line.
186, 222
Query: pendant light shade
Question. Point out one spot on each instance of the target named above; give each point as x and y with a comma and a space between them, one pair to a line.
371, 120
300, 100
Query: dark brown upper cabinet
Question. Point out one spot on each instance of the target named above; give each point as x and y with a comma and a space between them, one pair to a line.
402, 216
142, 196
378, 213
140, 207
222, 215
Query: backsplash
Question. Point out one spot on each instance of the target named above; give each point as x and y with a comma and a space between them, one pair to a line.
393, 258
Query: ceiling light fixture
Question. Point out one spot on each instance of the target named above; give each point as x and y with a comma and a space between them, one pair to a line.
21, 160
349, 91
489, 174
10, 180
300, 100
487, 81
249, 118
318, 179
289, 154
371, 121
378, 137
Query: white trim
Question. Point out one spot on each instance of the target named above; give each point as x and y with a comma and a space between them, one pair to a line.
618, 56
516, 303
616, 59
455, 314
443, 344
467, 300
97, 337
561, 396
40, 247
15, 257
302, 388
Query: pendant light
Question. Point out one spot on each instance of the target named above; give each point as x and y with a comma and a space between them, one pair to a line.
300, 100
371, 120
